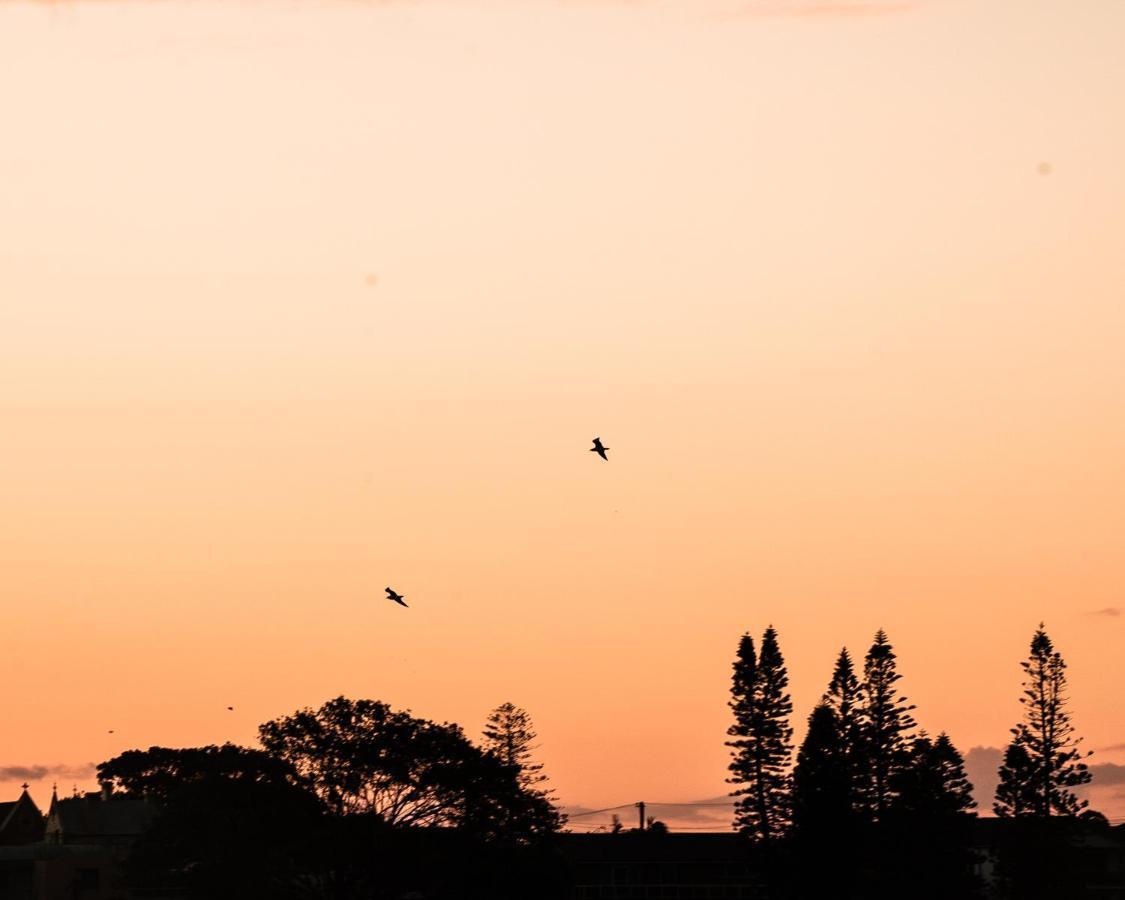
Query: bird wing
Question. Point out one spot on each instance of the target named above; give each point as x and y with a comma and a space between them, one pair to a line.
601, 453
598, 443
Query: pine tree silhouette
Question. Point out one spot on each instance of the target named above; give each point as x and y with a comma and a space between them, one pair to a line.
927, 827
933, 783
509, 734
1015, 794
1043, 763
762, 739
885, 721
845, 698
957, 790
824, 836
821, 792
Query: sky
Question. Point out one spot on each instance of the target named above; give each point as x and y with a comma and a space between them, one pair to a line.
299, 300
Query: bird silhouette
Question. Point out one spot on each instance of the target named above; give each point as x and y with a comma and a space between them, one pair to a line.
391, 595
599, 449
230, 708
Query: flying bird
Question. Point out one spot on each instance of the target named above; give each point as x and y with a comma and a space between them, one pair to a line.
391, 595
599, 449
230, 708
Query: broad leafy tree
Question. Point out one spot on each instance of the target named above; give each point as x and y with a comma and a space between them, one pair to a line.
362, 756
231, 823
161, 772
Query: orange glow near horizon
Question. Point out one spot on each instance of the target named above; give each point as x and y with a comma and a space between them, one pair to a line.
302, 300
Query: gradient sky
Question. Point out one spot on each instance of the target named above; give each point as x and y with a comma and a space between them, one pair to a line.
299, 300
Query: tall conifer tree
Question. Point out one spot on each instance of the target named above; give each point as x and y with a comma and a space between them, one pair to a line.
885, 721
933, 783
821, 792
762, 739
927, 826
509, 734
824, 837
844, 697
957, 790
1043, 763
1015, 790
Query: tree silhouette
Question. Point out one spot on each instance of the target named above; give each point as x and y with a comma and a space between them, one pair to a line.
761, 745
362, 756
1042, 764
508, 733
845, 698
957, 790
933, 783
927, 827
161, 772
1015, 794
233, 822
884, 722
821, 790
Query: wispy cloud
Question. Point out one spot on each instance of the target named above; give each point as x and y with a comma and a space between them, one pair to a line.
1106, 774
827, 9
1112, 611
37, 772
731, 9
982, 765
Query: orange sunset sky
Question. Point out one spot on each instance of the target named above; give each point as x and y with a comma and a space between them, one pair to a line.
302, 299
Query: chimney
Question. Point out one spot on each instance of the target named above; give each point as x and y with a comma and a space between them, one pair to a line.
107, 790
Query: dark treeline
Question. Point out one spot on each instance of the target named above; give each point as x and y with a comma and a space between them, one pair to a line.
359, 800
352, 800
873, 807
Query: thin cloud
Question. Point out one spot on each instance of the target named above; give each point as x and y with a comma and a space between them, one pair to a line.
817, 10
1106, 774
716, 811
1112, 611
982, 765
1112, 748
39, 772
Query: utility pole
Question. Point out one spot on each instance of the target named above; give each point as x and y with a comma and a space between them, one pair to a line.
641, 806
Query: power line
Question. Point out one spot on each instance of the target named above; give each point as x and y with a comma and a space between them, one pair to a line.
594, 812
693, 805
651, 803
716, 829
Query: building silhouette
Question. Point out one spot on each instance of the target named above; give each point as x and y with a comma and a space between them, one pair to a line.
77, 851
